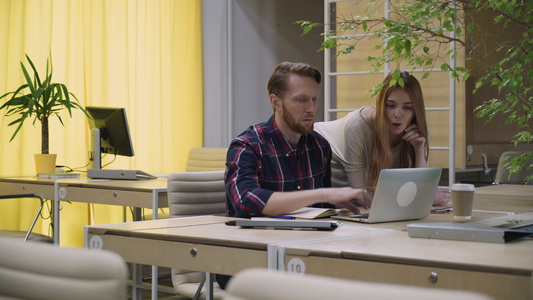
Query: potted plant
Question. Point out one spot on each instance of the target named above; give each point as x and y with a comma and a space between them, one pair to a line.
39, 100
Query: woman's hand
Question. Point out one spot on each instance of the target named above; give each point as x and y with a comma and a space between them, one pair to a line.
412, 135
442, 196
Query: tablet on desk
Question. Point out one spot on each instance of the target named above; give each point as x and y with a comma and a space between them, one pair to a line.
264, 223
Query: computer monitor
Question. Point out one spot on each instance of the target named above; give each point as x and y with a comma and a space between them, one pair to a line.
109, 133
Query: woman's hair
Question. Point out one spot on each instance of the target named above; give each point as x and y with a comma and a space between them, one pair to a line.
278, 83
381, 149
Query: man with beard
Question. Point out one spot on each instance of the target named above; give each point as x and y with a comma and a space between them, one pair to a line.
282, 165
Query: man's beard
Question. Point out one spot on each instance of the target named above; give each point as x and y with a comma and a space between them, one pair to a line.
294, 125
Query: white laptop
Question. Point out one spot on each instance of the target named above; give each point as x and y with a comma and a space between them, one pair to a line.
401, 194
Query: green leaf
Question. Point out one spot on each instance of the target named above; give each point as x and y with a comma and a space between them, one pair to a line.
328, 44
35, 73
470, 27
28, 79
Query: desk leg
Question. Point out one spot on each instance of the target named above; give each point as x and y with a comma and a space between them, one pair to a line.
210, 278
136, 291
155, 273
272, 256
56, 213
155, 204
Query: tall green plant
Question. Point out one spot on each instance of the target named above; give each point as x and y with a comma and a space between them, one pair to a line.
39, 100
419, 34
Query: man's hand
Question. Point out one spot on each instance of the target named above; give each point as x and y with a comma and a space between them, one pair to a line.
343, 197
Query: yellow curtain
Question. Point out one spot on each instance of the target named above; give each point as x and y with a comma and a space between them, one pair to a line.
143, 55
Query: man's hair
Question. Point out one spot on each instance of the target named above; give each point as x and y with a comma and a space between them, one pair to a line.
278, 83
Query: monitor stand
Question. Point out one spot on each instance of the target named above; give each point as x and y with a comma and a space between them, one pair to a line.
95, 158
95, 154
118, 174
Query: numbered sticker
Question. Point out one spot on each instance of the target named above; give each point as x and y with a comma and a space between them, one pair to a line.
296, 266
62, 193
96, 243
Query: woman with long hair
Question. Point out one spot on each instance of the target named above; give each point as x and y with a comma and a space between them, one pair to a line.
391, 135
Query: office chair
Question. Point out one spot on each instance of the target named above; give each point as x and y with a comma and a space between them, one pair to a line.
206, 159
502, 173
193, 194
34, 237
263, 284
48, 272
196, 193
200, 159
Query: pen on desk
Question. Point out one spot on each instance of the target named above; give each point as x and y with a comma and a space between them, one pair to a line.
281, 217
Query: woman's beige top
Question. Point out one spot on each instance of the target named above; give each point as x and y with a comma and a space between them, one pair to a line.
350, 139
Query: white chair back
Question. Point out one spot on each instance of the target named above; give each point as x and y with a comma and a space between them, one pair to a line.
502, 173
44, 271
263, 284
196, 193
193, 194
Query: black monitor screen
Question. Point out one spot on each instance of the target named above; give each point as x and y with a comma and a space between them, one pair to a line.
114, 130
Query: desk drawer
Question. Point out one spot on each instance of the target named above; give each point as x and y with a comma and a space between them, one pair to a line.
46, 191
111, 196
190, 256
497, 285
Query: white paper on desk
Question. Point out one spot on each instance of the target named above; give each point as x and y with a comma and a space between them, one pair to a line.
464, 232
313, 212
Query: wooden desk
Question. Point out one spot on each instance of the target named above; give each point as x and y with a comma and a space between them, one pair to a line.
167, 242
203, 243
503, 271
384, 250
506, 192
136, 193
27, 185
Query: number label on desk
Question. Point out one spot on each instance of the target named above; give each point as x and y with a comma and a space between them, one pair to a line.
62, 193
296, 266
96, 243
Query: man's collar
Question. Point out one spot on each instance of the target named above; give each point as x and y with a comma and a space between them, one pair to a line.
274, 130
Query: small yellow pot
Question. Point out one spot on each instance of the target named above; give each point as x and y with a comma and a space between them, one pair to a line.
45, 163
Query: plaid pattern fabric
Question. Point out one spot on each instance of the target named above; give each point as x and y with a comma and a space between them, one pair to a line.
261, 161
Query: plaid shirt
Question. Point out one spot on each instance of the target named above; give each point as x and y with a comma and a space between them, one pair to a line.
261, 161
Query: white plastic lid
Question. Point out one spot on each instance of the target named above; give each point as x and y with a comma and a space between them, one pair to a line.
465, 187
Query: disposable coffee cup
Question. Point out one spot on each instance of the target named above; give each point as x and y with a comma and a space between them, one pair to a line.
462, 200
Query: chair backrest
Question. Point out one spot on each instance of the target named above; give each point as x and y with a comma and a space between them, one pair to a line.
206, 159
193, 194
263, 284
44, 271
502, 173
199, 190
196, 193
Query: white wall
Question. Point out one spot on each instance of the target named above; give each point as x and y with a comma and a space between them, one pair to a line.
243, 41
